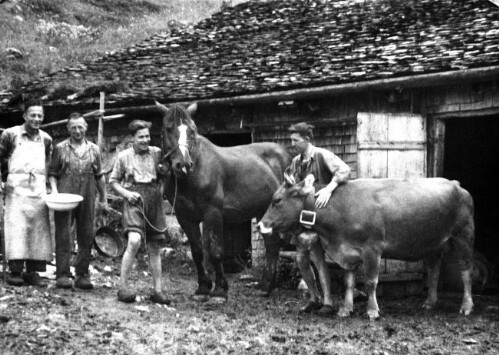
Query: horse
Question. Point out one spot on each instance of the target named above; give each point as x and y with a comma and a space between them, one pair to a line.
216, 185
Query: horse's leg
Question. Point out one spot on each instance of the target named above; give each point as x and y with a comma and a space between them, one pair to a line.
213, 240
193, 233
268, 280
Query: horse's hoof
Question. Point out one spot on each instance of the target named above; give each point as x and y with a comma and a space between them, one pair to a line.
200, 298
344, 313
326, 311
373, 314
217, 300
427, 306
465, 311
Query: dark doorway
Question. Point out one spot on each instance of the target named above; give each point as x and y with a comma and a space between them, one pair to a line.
229, 139
237, 236
472, 157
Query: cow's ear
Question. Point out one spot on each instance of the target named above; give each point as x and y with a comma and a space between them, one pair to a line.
307, 185
309, 180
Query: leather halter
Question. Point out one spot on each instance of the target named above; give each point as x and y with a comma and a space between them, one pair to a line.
189, 148
308, 214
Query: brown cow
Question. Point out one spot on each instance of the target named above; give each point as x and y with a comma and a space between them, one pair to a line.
367, 219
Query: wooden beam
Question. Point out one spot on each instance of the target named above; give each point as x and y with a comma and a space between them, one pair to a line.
492, 111
88, 119
100, 128
392, 145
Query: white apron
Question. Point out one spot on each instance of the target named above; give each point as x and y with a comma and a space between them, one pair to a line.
27, 228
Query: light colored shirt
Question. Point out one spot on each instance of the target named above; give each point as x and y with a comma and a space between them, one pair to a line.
323, 164
133, 168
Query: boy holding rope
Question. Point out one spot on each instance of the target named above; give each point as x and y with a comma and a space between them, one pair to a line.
135, 178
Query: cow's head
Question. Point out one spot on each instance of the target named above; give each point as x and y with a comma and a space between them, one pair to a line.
178, 136
283, 214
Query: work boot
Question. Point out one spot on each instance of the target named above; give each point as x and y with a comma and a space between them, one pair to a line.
32, 278
83, 282
160, 297
311, 306
15, 279
126, 295
64, 282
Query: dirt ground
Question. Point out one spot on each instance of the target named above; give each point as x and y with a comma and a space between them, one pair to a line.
53, 321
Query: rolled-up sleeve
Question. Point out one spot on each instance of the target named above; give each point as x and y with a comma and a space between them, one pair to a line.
97, 166
118, 170
55, 168
339, 169
6, 144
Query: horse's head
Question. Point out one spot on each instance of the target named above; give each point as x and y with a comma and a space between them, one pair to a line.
178, 136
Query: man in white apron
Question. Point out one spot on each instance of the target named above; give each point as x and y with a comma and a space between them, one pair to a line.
24, 151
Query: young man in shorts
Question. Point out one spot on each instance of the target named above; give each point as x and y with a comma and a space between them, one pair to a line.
135, 178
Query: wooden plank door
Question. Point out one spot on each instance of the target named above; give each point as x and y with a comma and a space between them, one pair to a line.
392, 146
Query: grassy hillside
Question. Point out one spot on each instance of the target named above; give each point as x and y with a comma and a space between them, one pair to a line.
53, 34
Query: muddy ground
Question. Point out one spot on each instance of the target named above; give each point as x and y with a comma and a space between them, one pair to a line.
53, 321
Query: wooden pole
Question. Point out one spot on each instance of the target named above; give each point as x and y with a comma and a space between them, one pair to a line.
100, 129
4, 255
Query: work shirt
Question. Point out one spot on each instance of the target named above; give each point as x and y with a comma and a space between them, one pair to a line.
9, 140
133, 167
323, 164
76, 169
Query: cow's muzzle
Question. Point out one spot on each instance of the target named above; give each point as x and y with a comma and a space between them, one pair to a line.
264, 230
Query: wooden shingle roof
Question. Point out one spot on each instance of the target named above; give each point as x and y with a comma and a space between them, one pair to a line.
273, 45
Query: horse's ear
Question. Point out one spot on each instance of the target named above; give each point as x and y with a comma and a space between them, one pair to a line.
191, 110
161, 108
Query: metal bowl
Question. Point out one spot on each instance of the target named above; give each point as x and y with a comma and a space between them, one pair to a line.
62, 201
108, 242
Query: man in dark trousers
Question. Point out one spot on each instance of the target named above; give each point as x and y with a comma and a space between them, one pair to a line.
329, 172
76, 168
24, 153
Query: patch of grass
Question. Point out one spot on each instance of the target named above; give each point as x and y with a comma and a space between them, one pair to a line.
109, 25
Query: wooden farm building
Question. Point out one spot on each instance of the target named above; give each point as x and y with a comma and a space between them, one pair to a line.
395, 88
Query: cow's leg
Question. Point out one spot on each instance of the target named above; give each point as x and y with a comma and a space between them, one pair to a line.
433, 268
347, 307
268, 280
464, 247
213, 241
192, 231
371, 264
318, 258
307, 273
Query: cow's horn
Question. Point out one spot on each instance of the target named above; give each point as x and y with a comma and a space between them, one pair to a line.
289, 179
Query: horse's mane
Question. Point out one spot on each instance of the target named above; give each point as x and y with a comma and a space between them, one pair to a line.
180, 115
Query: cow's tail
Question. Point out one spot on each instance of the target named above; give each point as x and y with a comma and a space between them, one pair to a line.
468, 215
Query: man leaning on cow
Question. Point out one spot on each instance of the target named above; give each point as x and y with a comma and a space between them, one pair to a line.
24, 153
329, 171
76, 168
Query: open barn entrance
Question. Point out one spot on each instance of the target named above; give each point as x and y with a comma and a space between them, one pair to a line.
237, 236
471, 156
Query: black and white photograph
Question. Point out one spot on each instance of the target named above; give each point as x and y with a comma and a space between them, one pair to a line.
221, 177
